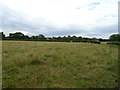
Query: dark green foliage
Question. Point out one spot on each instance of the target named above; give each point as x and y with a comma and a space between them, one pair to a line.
2, 35
115, 37
18, 36
41, 37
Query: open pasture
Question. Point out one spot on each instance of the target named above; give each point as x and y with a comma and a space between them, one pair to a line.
32, 64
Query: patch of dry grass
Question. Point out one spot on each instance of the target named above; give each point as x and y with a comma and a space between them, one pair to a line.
59, 64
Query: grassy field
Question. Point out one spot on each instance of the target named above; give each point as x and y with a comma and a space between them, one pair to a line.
29, 64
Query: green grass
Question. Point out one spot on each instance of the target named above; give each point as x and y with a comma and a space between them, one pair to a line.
29, 64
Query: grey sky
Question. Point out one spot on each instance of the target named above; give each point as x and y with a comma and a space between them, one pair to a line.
92, 18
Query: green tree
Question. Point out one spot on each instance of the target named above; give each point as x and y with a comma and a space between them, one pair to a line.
17, 35
59, 39
2, 35
41, 37
69, 38
115, 37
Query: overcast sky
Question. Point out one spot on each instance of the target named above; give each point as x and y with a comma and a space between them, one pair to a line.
87, 18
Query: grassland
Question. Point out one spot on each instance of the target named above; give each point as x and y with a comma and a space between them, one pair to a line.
29, 64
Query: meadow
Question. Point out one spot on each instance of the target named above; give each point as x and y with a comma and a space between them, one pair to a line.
34, 64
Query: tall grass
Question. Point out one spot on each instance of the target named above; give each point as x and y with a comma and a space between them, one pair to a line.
59, 64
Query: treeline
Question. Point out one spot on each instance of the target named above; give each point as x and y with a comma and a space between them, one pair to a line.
41, 37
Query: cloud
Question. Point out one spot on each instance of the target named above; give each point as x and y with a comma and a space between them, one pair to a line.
64, 17
104, 31
93, 5
15, 21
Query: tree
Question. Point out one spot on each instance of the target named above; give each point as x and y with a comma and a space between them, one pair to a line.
74, 38
2, 35
32, 37
17, 35
64, 39
115, 37
100, 39
69, 38
54, 39
26, 37
41, 37
59, 39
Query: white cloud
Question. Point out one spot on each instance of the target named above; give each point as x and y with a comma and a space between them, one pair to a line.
89, 15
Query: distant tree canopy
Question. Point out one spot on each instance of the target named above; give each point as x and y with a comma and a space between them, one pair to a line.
115, 37
18, 36
2, 35
41, 37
